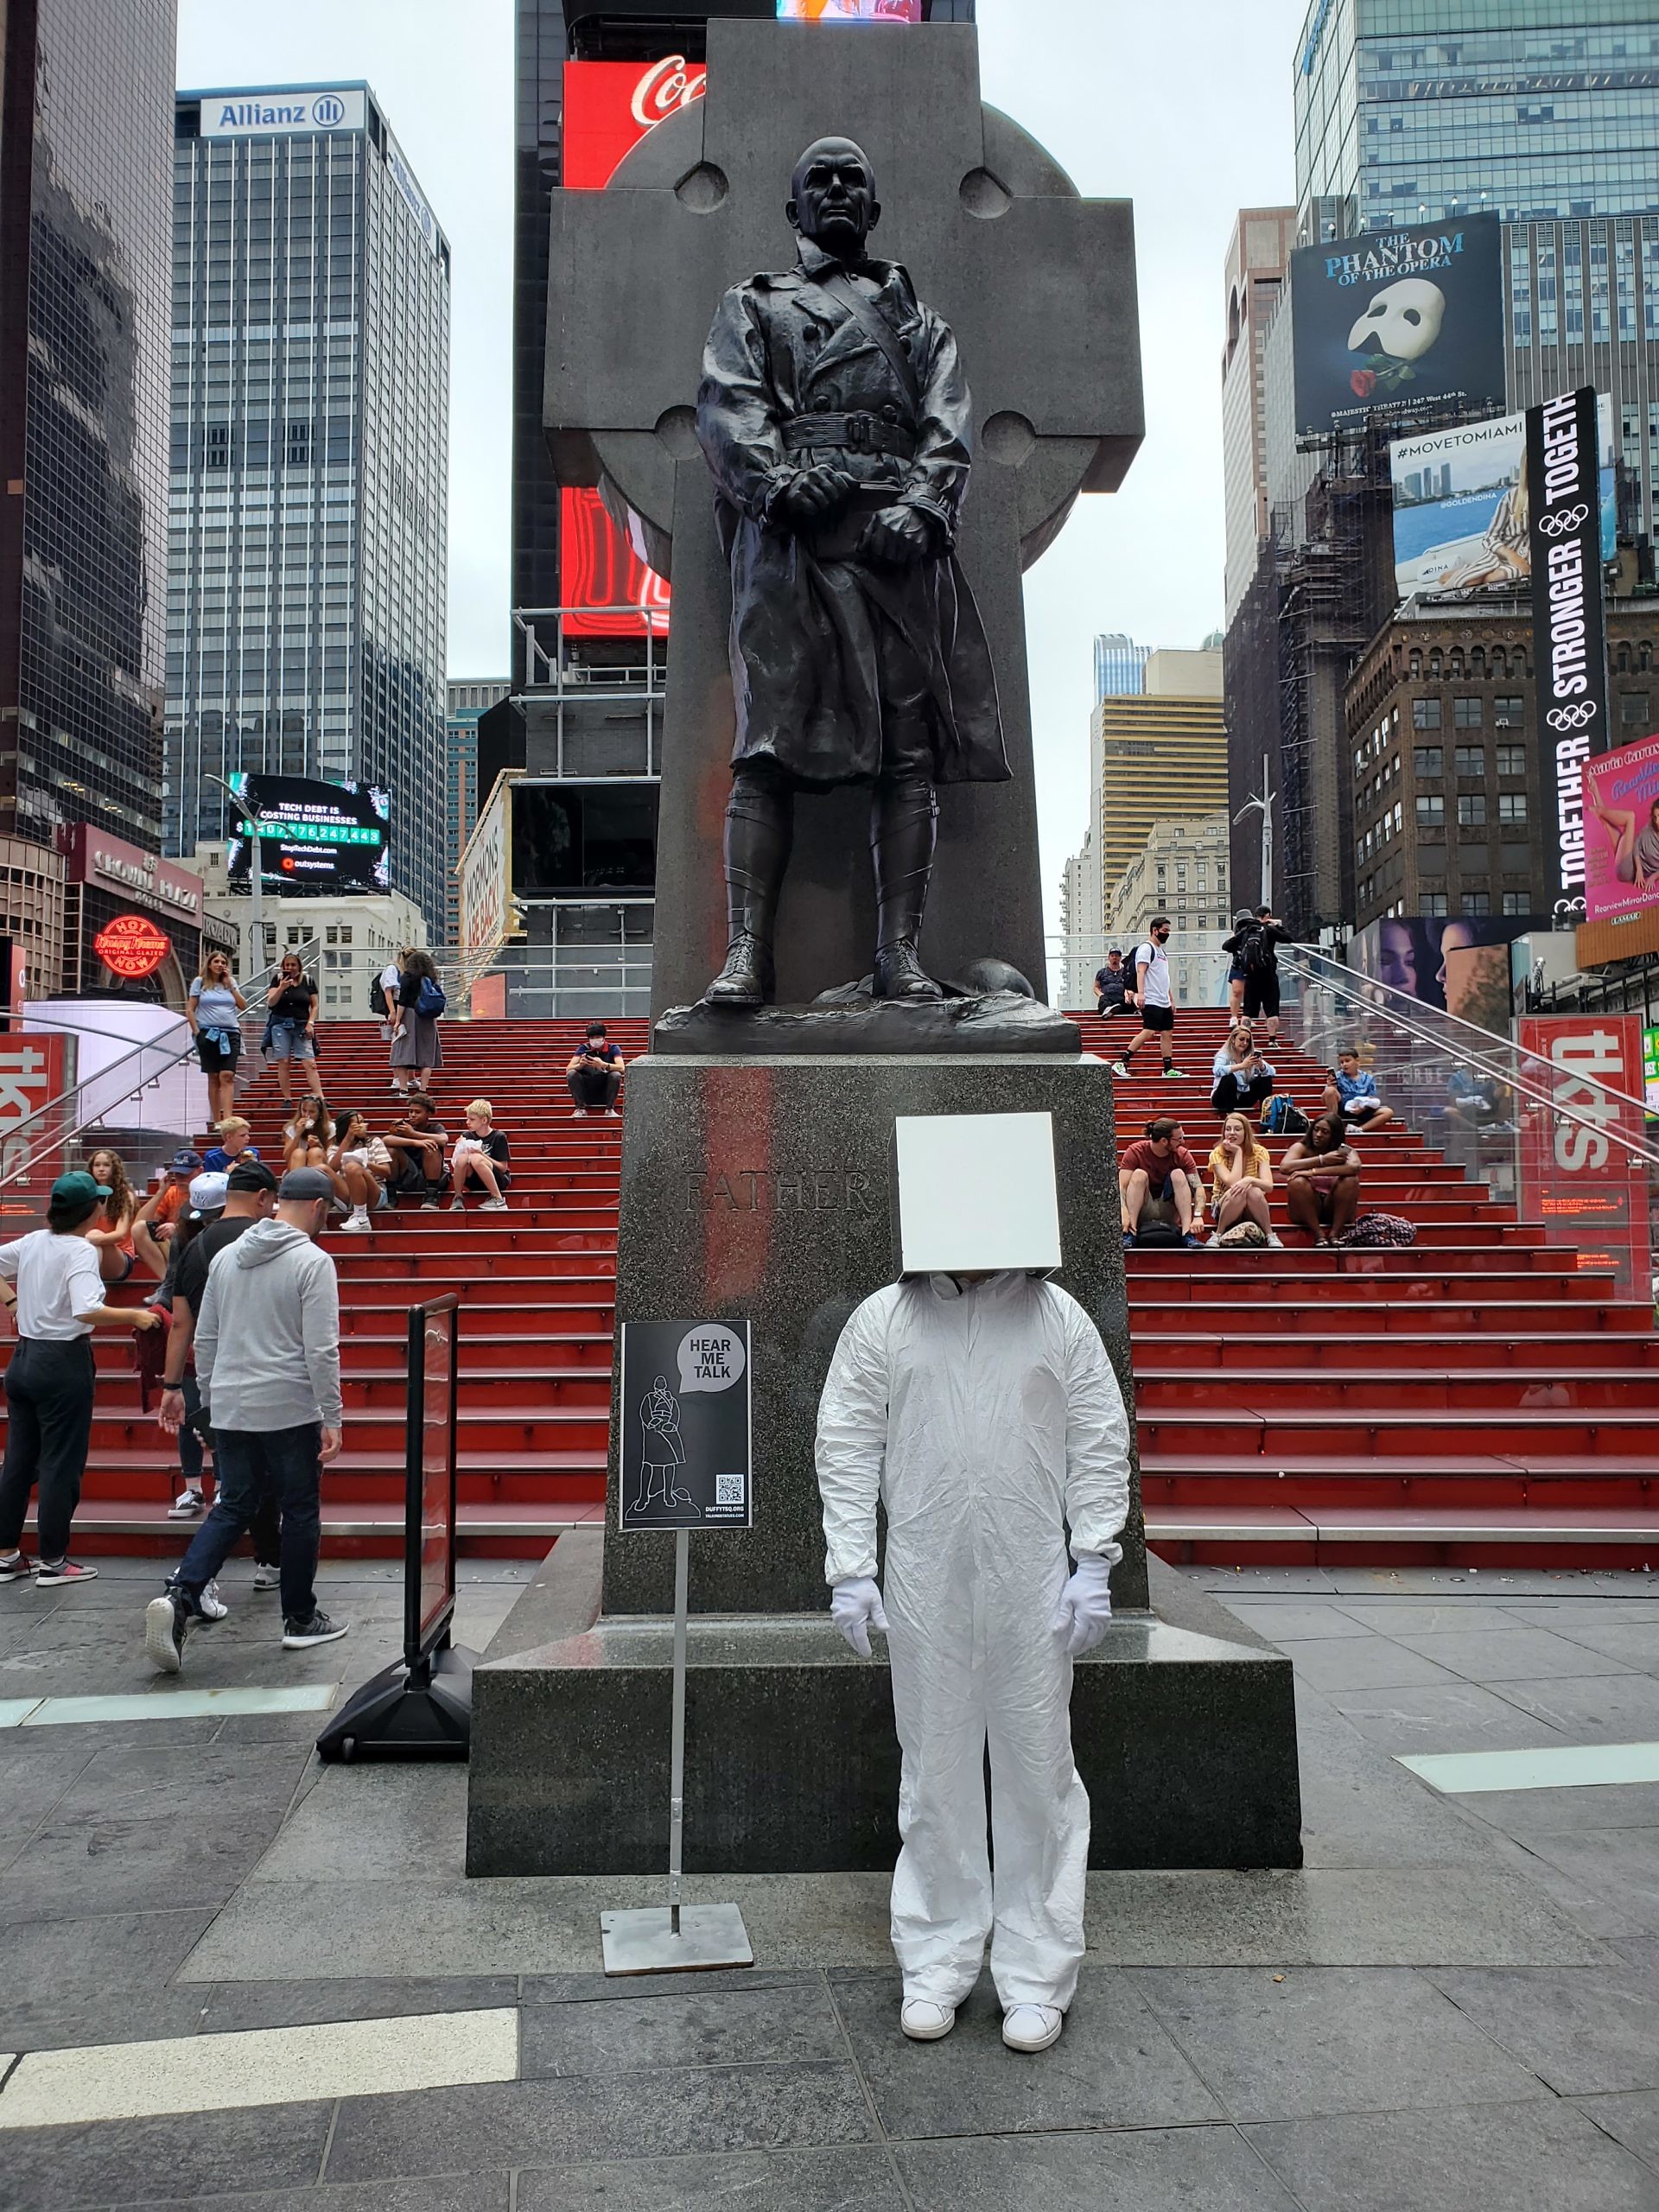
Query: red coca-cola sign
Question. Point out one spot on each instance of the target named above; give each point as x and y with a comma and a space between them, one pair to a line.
609, 106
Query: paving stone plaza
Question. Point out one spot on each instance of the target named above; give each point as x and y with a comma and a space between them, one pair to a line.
1452, 2005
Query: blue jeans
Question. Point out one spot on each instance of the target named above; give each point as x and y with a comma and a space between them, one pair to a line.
275, 1467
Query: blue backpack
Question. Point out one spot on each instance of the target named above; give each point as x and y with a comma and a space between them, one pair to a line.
430, 1002
1280, 1117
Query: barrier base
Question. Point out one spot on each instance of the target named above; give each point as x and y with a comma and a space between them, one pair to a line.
408, 1712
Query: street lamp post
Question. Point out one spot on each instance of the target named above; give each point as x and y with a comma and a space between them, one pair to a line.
256, 871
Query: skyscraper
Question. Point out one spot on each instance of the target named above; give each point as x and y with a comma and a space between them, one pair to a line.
1154, 755
307, 545
1120, 666
85, 132
1258, 255
466, 701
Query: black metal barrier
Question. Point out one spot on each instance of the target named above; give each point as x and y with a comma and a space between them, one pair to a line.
421, 1707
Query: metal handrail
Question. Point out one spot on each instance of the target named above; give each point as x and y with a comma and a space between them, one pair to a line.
1487, 1052
101, 1076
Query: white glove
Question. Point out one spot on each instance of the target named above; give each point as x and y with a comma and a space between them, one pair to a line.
855, 1609
1085, 1612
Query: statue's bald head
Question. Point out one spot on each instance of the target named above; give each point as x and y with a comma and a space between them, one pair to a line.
832, 195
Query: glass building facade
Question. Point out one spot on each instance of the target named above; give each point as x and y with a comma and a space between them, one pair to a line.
1120, 666
308, 550
84, 258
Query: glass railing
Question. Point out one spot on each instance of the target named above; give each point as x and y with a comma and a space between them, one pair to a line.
1543, 1131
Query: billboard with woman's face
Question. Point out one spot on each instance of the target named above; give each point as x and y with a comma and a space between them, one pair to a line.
1459, 963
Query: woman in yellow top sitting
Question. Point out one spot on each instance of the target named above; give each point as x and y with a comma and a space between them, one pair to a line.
1241, 1175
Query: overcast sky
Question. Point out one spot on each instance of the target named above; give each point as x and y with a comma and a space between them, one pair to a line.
1184, 108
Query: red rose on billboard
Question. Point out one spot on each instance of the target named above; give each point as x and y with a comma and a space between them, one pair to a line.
1363, 382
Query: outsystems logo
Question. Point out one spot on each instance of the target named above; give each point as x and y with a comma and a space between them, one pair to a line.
329, 111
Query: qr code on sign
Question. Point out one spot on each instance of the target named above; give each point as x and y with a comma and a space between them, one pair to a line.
729, 1490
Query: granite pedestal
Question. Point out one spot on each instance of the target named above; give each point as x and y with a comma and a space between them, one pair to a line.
761, 1188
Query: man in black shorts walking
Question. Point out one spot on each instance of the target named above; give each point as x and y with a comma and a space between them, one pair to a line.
1259, 953
1151, 994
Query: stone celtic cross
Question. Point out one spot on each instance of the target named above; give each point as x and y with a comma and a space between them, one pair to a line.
1039, 286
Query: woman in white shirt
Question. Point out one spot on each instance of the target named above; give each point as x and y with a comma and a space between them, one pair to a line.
51, 1280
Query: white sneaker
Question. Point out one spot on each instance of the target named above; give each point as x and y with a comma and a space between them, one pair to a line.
493, 1205
357, 1221
1120, 1067
213, 1607
1275, 1242
1031, 2027
187, 1506
922, 2021
267, 1578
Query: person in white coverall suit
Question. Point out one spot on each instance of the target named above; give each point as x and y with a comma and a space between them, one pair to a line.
980, 1410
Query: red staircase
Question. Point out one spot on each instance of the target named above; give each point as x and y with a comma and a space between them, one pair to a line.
1473, 1399
538, 1283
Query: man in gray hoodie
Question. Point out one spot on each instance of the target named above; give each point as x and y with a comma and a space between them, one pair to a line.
268, 1363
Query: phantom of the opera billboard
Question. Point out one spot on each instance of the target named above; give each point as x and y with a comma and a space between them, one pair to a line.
1395, 318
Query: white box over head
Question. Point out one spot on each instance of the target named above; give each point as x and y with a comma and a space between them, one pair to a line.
975, 1193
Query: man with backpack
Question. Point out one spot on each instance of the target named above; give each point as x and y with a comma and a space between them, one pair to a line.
1255, 948
1151, 993
1159, 1189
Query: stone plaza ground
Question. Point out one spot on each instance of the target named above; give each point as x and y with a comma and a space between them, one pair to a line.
1454, 2006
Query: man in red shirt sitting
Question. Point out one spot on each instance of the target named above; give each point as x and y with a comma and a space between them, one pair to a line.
1158, 1179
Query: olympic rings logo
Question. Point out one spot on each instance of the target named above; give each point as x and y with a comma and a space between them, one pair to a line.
1573, 717
1557, 526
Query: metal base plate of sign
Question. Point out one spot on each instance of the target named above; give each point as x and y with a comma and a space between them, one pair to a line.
685, 1472
645, 1941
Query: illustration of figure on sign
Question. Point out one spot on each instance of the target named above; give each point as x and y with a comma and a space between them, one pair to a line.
662, 1455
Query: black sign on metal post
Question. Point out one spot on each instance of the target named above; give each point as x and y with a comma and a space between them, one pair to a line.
1568, 626
683, 1462
422, 1705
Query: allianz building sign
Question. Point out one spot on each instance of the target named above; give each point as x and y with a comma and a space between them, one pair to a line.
327, 109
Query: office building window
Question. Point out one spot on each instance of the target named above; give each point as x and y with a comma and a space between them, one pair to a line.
1512, 807
1509, 713
1476, 902
1511, 759
1465, 714
1433, 902
1471, 760
1471, 809
1633, 710
1429, 761
1431, 811
1514, 902
1426, 714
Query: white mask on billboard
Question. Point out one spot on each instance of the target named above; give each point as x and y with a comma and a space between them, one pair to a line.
1404, 320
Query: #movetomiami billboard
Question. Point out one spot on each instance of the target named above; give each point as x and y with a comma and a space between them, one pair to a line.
313, 836
608, 108
1621, 831
850, 11
1397, 318
1460, 506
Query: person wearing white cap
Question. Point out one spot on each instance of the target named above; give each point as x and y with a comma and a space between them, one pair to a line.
981, 1410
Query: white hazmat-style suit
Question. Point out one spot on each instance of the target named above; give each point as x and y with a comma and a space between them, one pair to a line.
983, 1415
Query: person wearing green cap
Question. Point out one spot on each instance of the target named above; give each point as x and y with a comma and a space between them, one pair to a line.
51, 1280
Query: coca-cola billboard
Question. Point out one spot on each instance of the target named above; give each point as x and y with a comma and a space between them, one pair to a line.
608, 108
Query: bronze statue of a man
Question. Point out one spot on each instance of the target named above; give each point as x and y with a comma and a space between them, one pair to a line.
834, 414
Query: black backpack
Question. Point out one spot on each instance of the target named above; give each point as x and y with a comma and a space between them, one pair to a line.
378, 999
1157, 1235
1258, 956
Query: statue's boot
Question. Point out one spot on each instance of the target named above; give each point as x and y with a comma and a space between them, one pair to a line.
759, 830
904, 822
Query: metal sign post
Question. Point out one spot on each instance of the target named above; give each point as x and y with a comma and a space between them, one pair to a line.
681, 1467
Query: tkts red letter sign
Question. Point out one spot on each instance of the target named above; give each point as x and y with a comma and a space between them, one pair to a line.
1587, 1189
